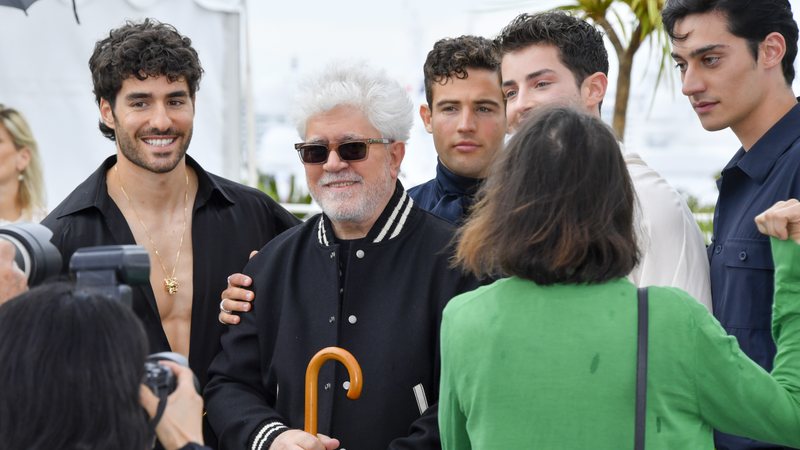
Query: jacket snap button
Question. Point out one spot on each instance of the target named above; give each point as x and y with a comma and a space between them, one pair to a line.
352, 319
327, 386
346, 385
360, 254
742, 256
718, 249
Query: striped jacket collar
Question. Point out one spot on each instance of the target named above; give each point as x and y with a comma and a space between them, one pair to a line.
388, 226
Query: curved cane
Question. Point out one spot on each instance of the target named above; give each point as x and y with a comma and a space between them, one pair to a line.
312, 377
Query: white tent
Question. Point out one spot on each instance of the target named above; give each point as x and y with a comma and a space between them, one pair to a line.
44, 74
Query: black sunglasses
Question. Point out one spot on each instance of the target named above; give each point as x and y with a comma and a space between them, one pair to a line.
354, 150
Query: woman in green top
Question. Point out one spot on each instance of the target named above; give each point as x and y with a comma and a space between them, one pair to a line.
546, 358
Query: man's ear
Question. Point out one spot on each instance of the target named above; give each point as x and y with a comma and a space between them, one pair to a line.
106, 113
593, 90
772, 50
425, 114
397, 151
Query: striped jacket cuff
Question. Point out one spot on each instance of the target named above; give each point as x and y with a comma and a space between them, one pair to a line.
266, 435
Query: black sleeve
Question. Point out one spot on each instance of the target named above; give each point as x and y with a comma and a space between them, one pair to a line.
237, 402
423, 433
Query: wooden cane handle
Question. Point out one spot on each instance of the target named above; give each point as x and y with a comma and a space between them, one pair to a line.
312, 378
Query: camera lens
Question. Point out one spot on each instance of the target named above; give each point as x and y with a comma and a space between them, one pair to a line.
35, 255
160, 379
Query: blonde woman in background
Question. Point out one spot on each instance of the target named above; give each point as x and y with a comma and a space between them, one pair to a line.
22, 197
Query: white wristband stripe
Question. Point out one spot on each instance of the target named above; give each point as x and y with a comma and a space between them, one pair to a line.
265, 433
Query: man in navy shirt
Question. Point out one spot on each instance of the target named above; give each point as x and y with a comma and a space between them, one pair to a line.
736, 62
466, 115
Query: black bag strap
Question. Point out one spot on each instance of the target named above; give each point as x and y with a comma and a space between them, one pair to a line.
641, 369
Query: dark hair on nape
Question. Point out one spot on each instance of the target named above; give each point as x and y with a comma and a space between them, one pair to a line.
452, 57
72, 367
142, 49
557, 206
580, 45
747, 19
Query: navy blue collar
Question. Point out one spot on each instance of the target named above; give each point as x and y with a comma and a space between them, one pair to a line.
450, 183
761, 158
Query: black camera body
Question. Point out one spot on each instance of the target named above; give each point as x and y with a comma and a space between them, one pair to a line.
110, 270
160, 379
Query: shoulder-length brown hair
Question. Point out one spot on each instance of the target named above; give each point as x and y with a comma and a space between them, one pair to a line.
557, 206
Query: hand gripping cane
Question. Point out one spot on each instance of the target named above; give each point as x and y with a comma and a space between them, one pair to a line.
312, 377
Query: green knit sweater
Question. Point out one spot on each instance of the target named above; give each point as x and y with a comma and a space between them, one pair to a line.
553, 367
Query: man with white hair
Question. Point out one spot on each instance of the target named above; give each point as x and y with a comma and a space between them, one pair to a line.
371, 274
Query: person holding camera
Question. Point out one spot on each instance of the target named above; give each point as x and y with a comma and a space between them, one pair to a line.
74, 364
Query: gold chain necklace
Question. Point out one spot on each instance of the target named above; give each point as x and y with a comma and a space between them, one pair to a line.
170, 282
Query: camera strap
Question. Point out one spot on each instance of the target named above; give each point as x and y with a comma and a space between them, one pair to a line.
162, 405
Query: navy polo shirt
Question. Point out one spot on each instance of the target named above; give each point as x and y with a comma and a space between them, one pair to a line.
741, 259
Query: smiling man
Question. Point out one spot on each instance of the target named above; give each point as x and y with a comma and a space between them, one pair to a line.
466, 115
736, 60
371, 274
151, 193
553, 58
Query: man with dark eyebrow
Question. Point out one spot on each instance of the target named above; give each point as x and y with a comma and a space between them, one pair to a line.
145, 76
736, 60
465, 113
553, 58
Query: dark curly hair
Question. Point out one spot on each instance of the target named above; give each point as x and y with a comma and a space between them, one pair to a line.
749, 20
73, 362
142, 49
451, 57
580, 45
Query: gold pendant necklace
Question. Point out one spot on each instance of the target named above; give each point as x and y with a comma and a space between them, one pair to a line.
170, 282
